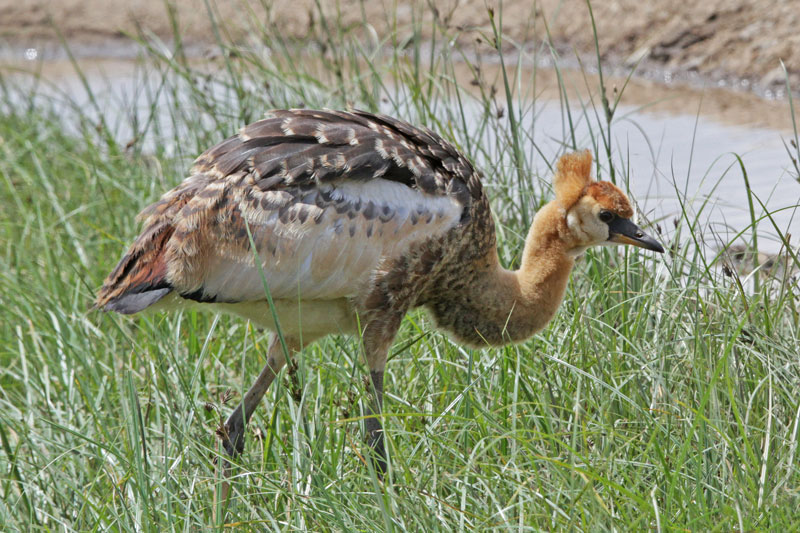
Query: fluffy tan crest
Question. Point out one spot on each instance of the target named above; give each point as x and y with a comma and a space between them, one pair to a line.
573, 174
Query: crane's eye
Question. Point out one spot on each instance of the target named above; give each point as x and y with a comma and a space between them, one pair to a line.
606, 216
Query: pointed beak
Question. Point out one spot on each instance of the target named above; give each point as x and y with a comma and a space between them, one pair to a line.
623, 231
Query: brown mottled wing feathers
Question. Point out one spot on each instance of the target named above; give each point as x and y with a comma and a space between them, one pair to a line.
307, 146
459, 170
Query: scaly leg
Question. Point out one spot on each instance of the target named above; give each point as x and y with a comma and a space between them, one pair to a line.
377, 338
373, 426
233, 434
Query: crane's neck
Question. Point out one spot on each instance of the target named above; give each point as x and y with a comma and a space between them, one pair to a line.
505, 306
538, 287
528, 298
497, 306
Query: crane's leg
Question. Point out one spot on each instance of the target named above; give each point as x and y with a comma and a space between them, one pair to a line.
233, 433
377, 338
373, 426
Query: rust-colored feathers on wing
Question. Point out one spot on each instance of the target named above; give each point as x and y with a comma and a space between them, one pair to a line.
139, 279
326, 196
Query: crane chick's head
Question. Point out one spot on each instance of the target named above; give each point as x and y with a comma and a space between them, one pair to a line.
597, 212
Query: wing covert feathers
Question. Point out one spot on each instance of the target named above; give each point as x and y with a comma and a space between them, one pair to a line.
325, 195
309, 147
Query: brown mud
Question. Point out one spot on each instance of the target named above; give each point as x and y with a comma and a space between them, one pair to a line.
704, 46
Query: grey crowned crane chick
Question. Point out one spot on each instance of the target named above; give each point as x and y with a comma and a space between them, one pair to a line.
356, 219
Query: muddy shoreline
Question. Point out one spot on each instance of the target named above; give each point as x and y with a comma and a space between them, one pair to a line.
732, 44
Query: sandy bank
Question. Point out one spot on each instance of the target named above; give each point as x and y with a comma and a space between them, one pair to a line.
731, 41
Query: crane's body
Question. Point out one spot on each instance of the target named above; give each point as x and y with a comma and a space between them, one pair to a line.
356, 218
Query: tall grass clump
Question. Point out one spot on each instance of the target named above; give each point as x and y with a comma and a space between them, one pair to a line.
662, 397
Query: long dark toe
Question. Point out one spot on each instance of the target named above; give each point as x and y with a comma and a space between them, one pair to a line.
232, 434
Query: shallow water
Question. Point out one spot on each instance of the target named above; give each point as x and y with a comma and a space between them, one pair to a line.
663, 157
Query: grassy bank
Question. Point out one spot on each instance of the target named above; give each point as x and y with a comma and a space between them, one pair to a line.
662, 397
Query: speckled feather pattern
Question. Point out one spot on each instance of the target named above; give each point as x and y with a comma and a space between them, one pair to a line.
339, 204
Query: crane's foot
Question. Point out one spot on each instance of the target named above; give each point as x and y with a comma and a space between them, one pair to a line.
232, 433
378, 455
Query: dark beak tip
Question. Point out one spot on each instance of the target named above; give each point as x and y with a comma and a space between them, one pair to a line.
624, 231
652, 244
649, 243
